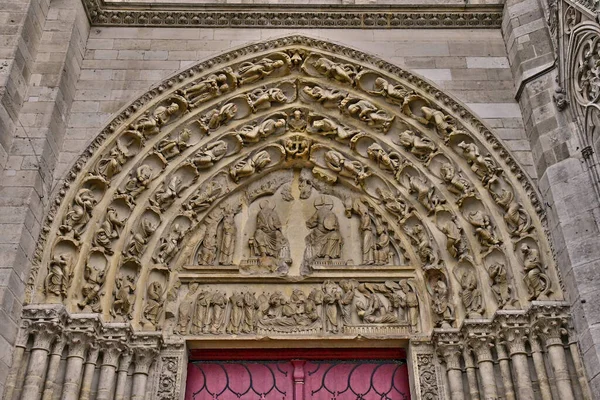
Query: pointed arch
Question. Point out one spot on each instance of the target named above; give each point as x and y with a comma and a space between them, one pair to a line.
367, 138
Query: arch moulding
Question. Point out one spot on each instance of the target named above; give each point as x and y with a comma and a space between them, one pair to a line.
296, 192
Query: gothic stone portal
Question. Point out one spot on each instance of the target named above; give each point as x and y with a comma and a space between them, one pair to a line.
294, 190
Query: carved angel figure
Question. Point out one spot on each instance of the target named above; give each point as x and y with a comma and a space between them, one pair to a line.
393, 204
203, 198
336, 162
250, 165
420, 238
124, 291
59, 276
218, 117
454, 238
500, 286
517, 219
386, 161
422, 147
268, 239
208, 155
367, 112
150, 124
168, 245
394, 94
94, 281
324, 96
186, 309
138, 241
264, 98
537, 282
109, 231
212, 86
425, 194
483, 228
484, 167
167, 194
470, 294
112, 163
443, 123
79, 214
455, 183
250, 72
328, 127
252, 133
324, 240
138, 182
170, 148
343, 73
154, 303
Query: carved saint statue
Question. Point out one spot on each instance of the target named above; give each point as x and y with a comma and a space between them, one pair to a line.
79, 213
517, 219
250, 165
204, 197
216, 315
94, 281
484, 167
440, 302
454, 238
422, 147
264, 98
211, 86
331, 298
372, 309
455, 183
483, 228
343, 73
393, 204
348, 287
252, 133
366, 228
444, 124
367, 112
386, 161
324, 240
268, 239
139, 240
207, 252
150, 124
154, 303
324, 96
412, 303
537, 282
59, 276
109, 231
186, 309
383, 254
201, 312
500, 287
208, 155
237, 313
425, 194
394, 94
420, 238
166, 195
328, 127
138, 182
250, 308
124, 293
228, 235
218, 117
336, 162
169, 245
112, 163
251, 72
470, 293
170, 148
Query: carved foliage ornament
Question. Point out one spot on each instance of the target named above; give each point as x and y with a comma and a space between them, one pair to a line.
177, 173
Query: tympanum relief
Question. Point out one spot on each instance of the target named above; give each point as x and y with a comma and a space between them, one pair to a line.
391, 207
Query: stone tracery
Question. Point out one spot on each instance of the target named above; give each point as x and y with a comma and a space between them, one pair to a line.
376, 161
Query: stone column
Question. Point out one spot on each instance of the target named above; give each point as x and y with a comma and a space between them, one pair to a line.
556, 352
53, 367
88, 372
78, 343
540, 368
471, 375
122, 374
110, 362
144, 357
44, 334
13, 373
451, 354
482, 347
509, 391
515, 339
581, 376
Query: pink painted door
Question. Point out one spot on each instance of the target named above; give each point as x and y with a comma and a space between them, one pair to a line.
298, 379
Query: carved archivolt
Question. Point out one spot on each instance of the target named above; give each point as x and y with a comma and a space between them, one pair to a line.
392, 208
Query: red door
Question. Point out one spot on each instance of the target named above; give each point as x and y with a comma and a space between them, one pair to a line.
284, 374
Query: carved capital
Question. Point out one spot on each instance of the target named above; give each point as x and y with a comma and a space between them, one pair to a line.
111, 351
482, 347
143, 359
92, 356
515, 338
501, 351
551, 330
44, 333
59, 346
23, 336
78, 343
126, 358
451, 355
536, 346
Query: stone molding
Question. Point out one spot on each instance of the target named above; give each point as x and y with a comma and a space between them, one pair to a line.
102, 13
